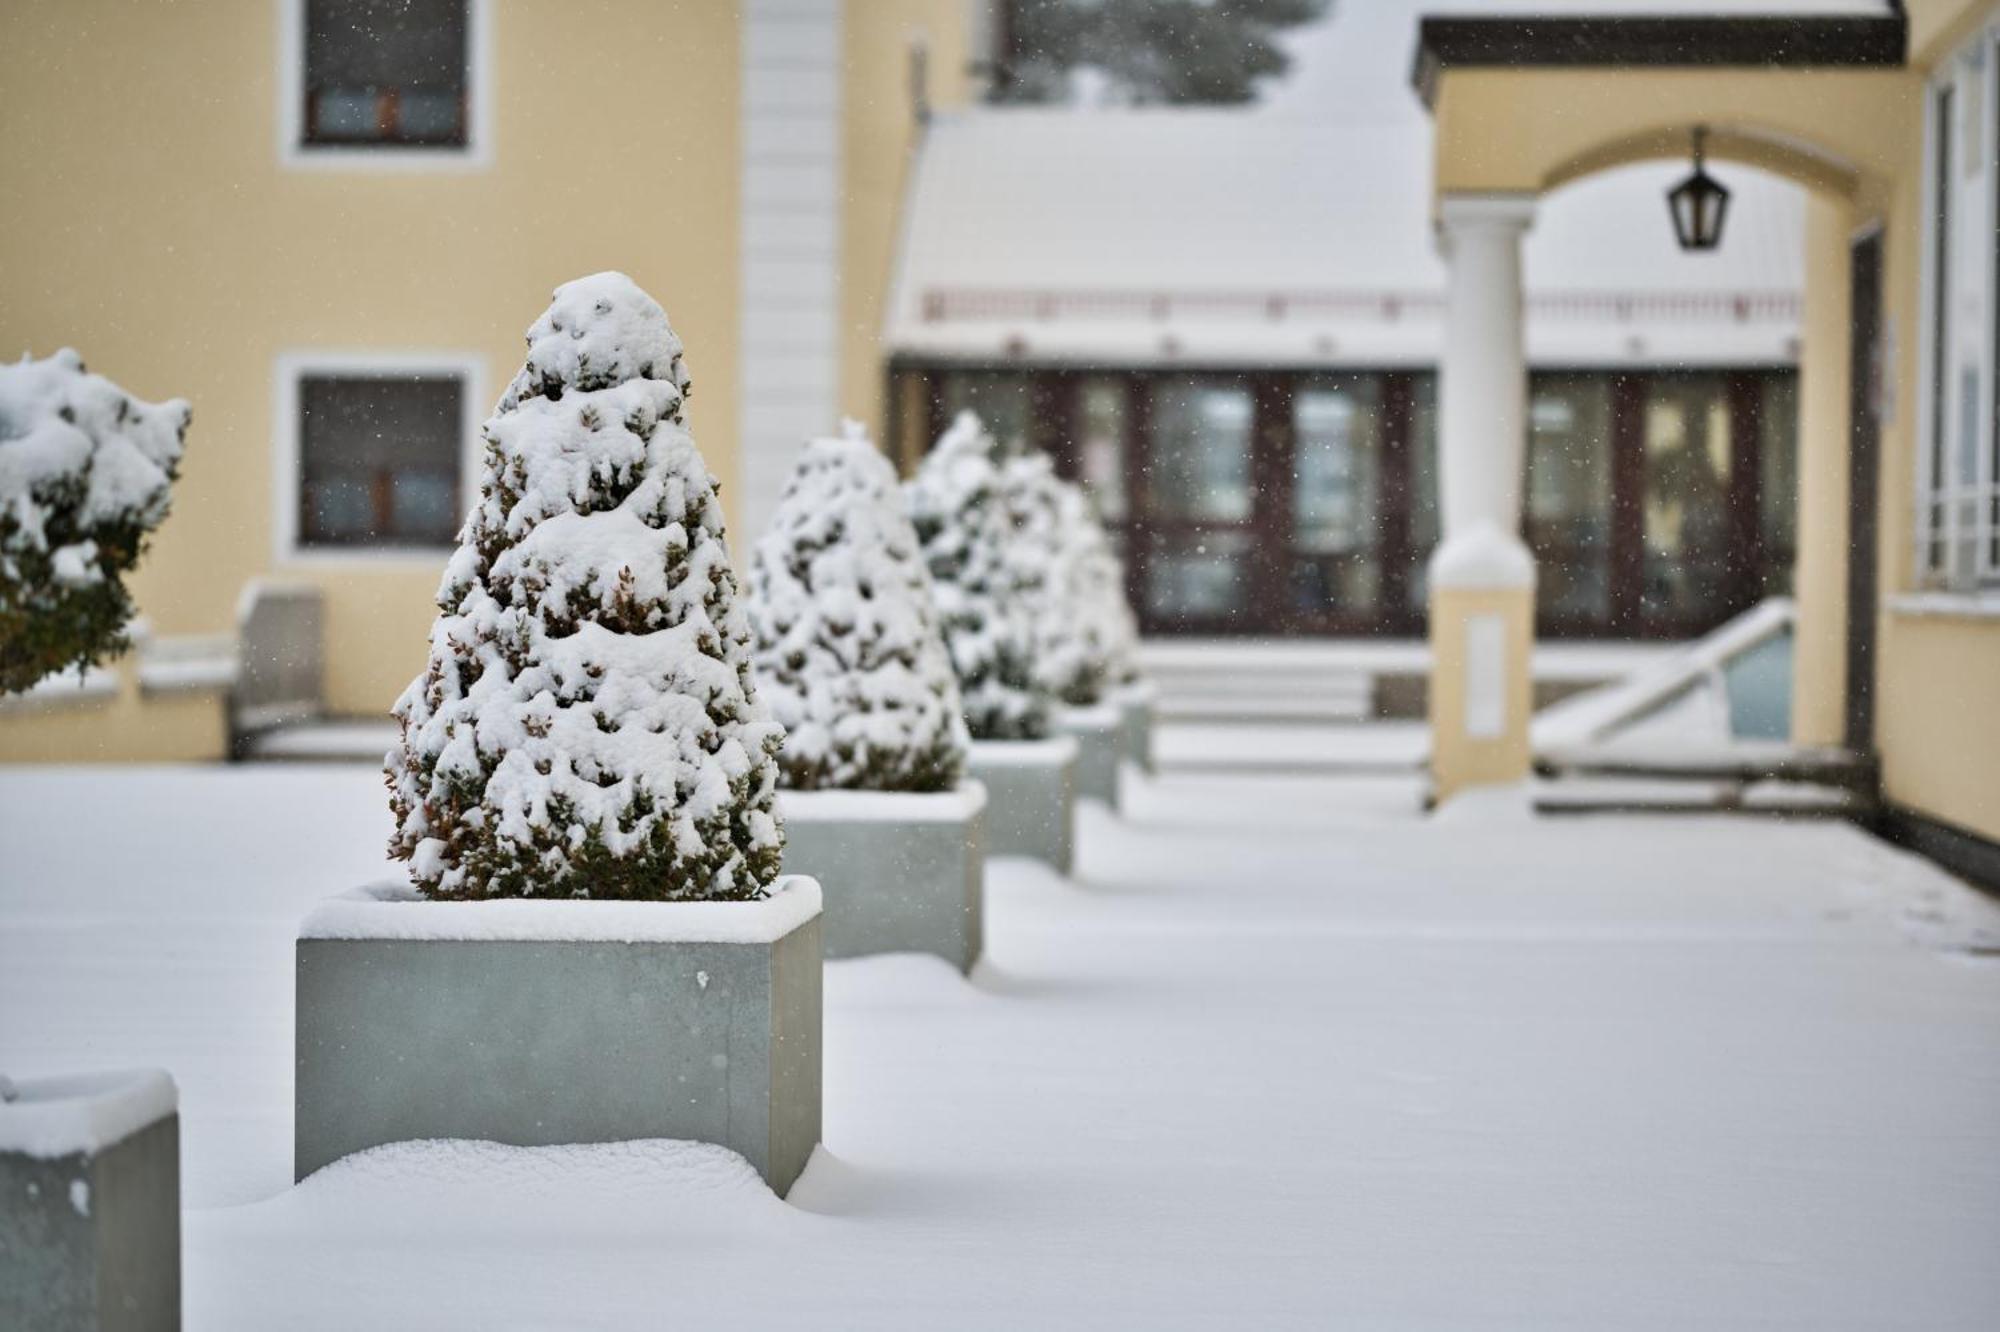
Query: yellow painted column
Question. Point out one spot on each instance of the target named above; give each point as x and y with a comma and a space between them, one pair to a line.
1819, 671
1482, 579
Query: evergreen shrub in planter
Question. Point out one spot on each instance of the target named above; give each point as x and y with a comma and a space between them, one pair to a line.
850, 660
587, 728
85, 470
989, 590
1085, 637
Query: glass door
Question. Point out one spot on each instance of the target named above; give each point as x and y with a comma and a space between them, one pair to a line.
1686, 444
1333, 570
1200, 496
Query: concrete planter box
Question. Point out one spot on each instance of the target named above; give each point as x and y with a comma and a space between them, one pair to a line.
900, 872
1135, 702
1099, 733
90, 1204
1031, 797
539, 1022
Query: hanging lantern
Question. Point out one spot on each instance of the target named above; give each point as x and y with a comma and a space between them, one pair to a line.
1698, 205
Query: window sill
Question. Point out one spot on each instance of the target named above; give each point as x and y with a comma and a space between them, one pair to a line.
1982, 605
387, 559
385, 158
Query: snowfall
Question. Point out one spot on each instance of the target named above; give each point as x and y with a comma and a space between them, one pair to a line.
1283, 1052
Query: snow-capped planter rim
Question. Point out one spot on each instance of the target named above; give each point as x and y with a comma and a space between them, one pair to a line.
84, 1112
391, 910
1050, 750
953, 806
1135, 691
1105, 716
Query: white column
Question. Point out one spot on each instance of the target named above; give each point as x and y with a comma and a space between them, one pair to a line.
1482, 580
1482, 394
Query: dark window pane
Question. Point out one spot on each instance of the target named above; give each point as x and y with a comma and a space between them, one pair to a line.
1569, 495
1778, 482
1004, 402
1686, 443
386, 72
1199, 576
1100, 446
1199, 466
379, 460
1423, 489
1336, 494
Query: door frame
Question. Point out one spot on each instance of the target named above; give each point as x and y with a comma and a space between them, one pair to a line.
1864, 453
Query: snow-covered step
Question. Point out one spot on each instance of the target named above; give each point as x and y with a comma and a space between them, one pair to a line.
1224, 707
1738, 761
1666, 795
1371, 747
355, 741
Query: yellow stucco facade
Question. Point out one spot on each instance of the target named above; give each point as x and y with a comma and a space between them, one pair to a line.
1855, 138
156, 221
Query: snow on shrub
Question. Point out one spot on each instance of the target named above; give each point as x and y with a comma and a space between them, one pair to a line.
1107, 635
84, 474
848, 651
961, 517
1085, 640
1048, 516
587, 725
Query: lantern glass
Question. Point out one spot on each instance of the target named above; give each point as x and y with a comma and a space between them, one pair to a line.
1698, 206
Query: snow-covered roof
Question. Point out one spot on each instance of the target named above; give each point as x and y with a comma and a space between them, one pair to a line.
1299, 232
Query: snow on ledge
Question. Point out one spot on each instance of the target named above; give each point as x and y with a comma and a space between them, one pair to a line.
1051, 752
954, 806
1140, 693
396, 911
1097, 717
83, 1112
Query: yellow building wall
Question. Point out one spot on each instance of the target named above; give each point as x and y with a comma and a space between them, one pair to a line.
149, 223
1856, 137
123, 725
879, 136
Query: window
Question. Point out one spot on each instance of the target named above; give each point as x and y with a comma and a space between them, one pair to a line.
378, 458
373, 77
1958, 483
1569, 495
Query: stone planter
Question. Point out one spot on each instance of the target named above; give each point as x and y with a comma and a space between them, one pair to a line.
1099, 732
90, 1204
1030, 797
1135, 702
900, 872
537, 1022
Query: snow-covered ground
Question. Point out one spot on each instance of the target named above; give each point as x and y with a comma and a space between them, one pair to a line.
1283, 1053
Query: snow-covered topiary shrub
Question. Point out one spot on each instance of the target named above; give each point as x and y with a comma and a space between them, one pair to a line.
1051, 522
987, 610
84, 474
588, 726
848, 653
1106, 636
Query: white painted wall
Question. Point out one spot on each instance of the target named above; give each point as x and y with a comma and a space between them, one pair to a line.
790, 355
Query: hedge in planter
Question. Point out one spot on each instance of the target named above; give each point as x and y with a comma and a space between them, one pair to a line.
587, 728
1085, 636
85, 470
850, 659
988, 597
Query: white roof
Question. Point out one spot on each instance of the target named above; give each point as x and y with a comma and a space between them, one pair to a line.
1298, 232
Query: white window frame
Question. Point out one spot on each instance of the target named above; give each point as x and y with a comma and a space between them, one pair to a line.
1973, 74
291, 367
294, 153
